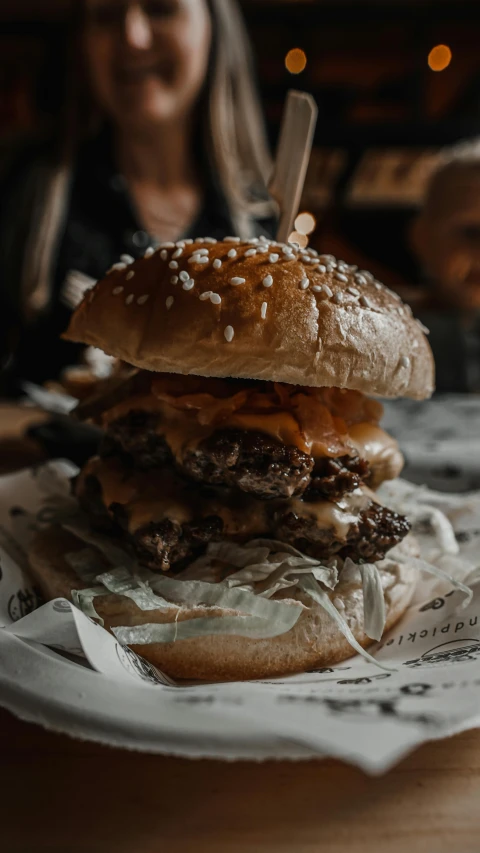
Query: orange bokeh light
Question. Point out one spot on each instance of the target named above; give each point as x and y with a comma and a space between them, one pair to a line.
439, 57
305, 223
300, 239
296, 60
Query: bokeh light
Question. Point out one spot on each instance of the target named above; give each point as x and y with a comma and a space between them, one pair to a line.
305, 223
301, 239
296, 60
439, 57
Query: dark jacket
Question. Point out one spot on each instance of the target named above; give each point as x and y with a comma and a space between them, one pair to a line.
100, 225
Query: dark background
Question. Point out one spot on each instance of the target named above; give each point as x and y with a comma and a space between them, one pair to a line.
383, 114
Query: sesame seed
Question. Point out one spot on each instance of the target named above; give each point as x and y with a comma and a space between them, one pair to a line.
250, 253
117, 290
338, 297
237, 280
198, 259
404, 361
341, 277
206, 295
331, 267
365, 302
202, 252
328, 259
180, 244
353, 291
169, 302
317, 288
142, 299
304, 283
232, 240
210, 240
174, 279
199, 239
129, 275
264, 238
127, 259
377, 285
232, 253
263, 310
286, 250
173, 265
306, 259
422, 327
360, 279
263, 248
184, 276
366, 274
187, 285
327, 290
267, 281
129, 299
273, 258
217, 264
164, 254
177, 254
168, 245
188, 242
254, 241
149, 252
215, 299
229, 333
119, 266
289, 257
321, 268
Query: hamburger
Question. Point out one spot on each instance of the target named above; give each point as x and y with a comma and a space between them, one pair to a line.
231, 507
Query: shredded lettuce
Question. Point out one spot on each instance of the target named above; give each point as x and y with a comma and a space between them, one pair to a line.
374, 616
84, 598
314, 590
243, 626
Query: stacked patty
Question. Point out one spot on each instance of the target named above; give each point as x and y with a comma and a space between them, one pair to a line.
231, 483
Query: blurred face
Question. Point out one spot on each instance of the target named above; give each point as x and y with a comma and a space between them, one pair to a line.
147, 60
448, 243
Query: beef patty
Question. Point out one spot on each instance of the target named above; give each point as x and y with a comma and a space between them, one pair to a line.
170, 543
368, 539
247, 460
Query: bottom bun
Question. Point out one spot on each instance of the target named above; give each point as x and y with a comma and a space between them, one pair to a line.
315, 641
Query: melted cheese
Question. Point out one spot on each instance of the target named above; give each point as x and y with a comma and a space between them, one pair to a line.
182, 430
327, 515
158, 495
379, 449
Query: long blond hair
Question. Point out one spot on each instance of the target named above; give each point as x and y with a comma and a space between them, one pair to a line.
234, 136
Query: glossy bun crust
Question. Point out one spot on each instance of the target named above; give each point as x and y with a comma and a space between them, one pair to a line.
258, 311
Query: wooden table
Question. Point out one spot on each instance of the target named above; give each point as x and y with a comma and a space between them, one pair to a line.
64, 796
67, 796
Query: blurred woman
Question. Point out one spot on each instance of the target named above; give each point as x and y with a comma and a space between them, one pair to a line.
161, 137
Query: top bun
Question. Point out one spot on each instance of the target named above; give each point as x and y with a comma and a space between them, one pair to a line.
257, 310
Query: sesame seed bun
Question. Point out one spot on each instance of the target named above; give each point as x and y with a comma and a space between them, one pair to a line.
315, 641
257, 310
